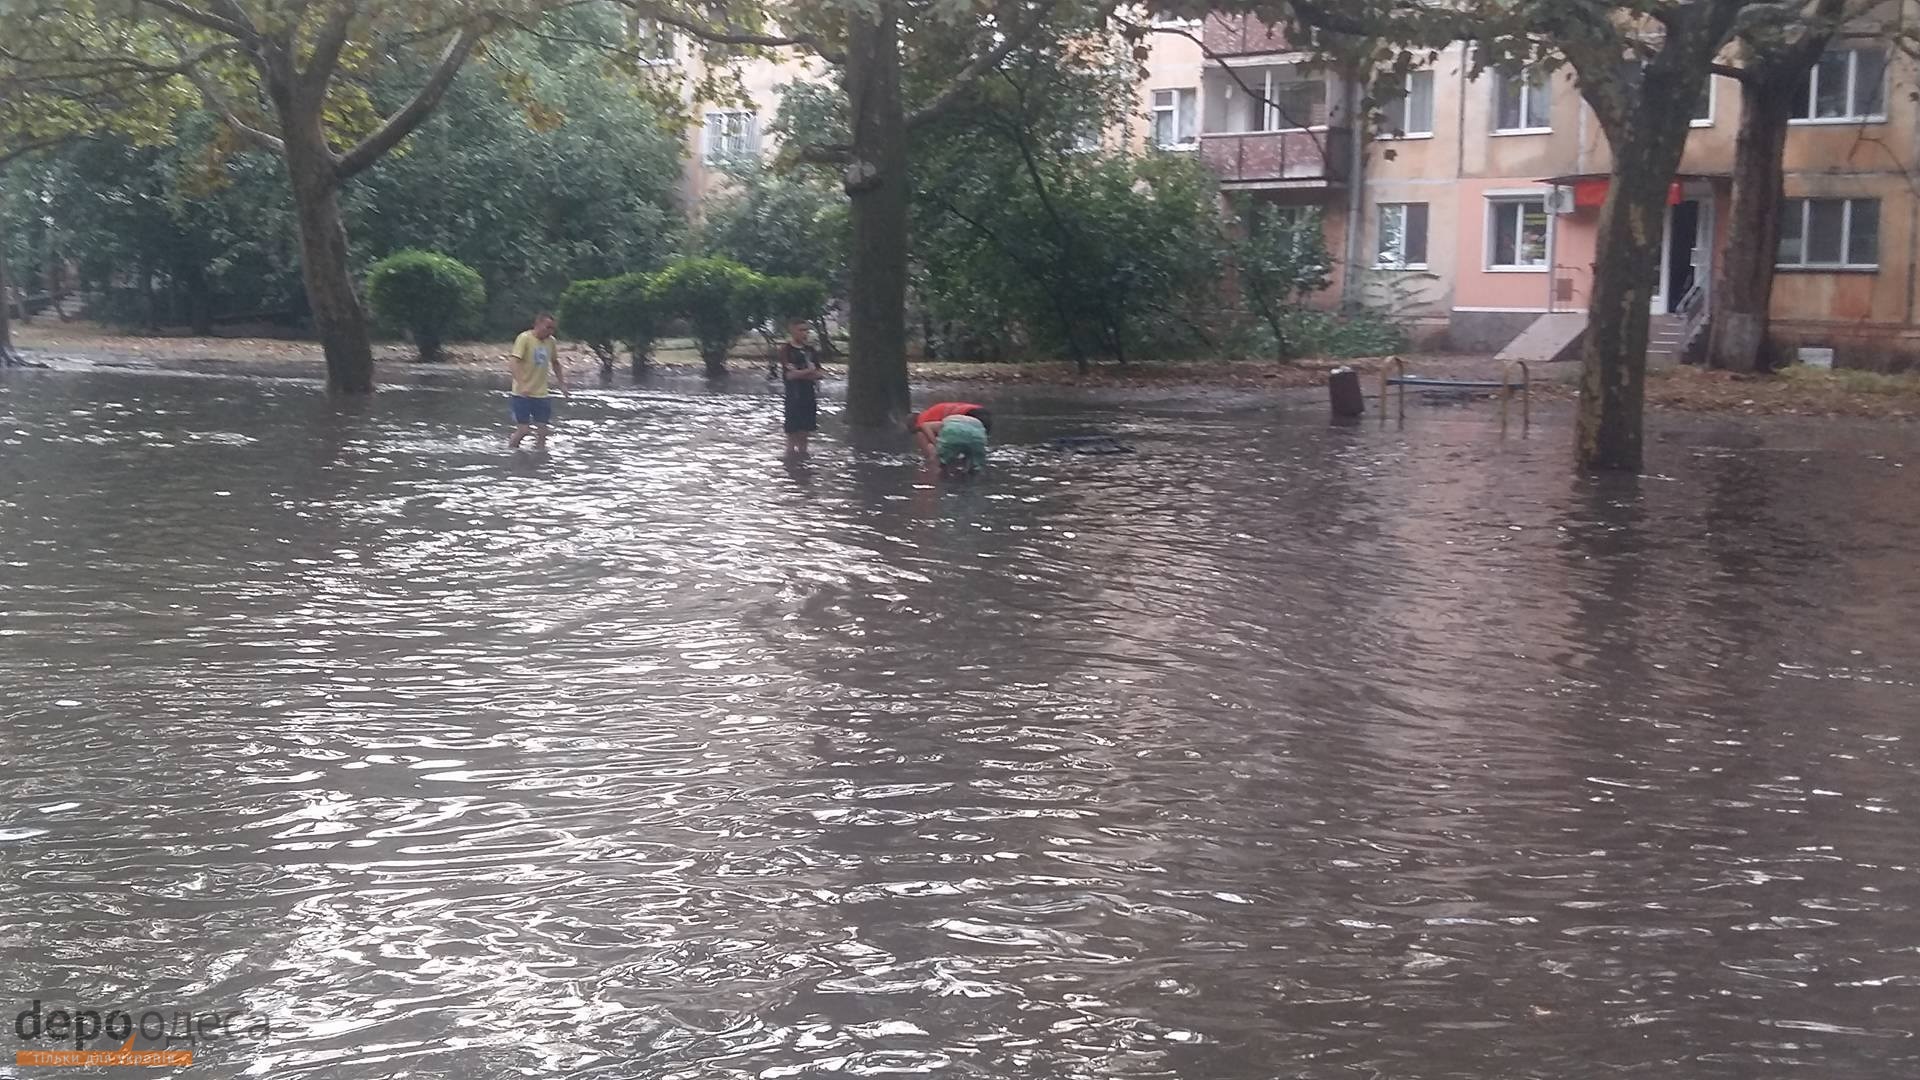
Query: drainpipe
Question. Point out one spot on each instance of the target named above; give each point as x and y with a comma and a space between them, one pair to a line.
1356, 206
1913, 218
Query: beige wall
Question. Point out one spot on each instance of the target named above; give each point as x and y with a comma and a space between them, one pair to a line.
1454, 169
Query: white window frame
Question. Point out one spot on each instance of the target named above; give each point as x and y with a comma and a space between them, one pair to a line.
1713, 104
1192, 139
1399, 261
1853, 88
710, 153
1272, 117
1494, 201
1803, 205
1406, 96
1528, 87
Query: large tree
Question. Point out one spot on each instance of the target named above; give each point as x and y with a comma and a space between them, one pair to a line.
901, 65
1631, 59
292, 77
1776, 54
66, 75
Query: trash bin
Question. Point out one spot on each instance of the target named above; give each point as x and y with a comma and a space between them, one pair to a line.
1343, 392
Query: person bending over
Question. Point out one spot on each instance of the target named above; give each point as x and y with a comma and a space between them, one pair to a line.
928, 424
961, 445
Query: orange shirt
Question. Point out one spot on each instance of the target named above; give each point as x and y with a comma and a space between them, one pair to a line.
942, 411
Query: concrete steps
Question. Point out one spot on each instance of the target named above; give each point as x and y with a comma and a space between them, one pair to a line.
1551, 337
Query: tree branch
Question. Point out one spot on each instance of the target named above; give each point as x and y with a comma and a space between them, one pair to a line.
217, 103
397, 127
980, 65
239, 31
728, 35
8, 154
327, 44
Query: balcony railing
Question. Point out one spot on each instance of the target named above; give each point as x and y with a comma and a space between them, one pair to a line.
1265, 157
1241, 35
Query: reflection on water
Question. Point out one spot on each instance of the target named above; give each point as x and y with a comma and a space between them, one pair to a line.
1270, 750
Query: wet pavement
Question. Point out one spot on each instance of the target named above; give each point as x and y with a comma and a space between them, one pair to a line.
1272, 749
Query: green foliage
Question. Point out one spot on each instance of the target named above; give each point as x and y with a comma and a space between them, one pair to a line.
1279, 260
719, 299
604, 312
585, 313
1114, 256
563, 173
429, 294
783, 225
783, 299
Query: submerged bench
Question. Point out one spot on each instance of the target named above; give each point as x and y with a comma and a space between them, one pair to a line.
1395, 374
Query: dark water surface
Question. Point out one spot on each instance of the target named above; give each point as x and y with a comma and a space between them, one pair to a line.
1269, 751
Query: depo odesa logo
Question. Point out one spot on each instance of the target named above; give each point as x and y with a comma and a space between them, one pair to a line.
57, 1034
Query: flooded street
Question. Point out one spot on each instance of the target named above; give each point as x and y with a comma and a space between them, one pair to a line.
1270, 750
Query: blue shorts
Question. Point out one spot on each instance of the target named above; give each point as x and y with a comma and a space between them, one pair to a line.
530, 410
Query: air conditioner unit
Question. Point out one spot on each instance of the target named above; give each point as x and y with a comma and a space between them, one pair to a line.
1560, 200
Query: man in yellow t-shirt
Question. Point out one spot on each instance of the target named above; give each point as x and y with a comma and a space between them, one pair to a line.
535, 359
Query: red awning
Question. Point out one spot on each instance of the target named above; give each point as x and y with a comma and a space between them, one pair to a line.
1590, 189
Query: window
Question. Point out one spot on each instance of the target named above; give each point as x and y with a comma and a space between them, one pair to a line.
1703, 108
1836, 233
1167, 18
1403, 236
1517, 234
1174, 121
1846, 84
652, 42
1521, 101
1412, 113
1294, 101
732, 135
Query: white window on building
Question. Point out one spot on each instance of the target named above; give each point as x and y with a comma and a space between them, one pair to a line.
1412, 113
1521, 101
652, 42
1703, 108
1830, 233
1175, 118
1846, 84
1296, 98
1517, 230
731, 135
1402, 236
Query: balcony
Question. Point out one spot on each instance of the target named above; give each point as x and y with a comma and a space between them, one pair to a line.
1277, 159
1241, 35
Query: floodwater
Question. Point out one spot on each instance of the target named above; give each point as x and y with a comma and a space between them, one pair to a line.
1271, 750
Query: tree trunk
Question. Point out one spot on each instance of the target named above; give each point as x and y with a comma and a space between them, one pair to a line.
1743, 286
199, 301
876, 182
338, 319
6, 309
1626, 271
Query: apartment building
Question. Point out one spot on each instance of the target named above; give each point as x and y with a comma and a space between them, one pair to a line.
1472, 209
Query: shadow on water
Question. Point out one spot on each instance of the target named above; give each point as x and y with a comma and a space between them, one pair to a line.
1272, 748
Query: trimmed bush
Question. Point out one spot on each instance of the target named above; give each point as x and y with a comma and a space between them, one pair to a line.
585, 312
786, 298
427, 294
637, 315
719, 298
608, 312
